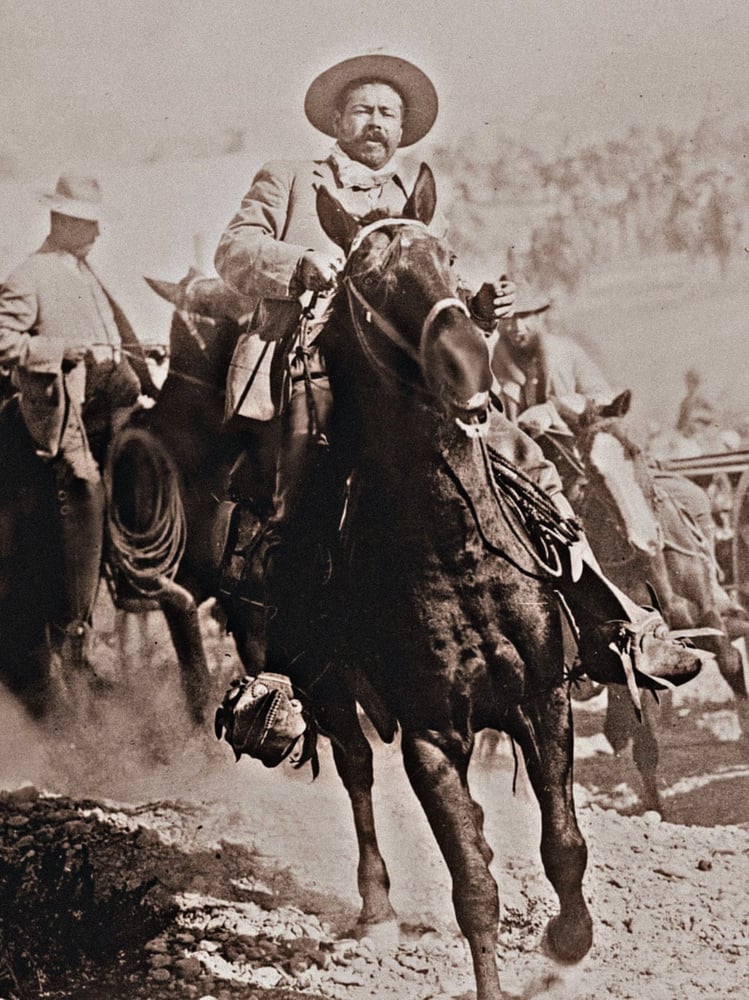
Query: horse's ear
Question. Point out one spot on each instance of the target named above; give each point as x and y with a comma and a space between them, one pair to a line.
423, 200
166, 289
618, 407
337, 223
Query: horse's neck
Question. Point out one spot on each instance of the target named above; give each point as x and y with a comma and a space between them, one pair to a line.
604, 525
189, 418
399, 439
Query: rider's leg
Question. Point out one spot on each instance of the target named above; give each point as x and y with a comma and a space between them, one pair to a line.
80, 507
305, 418
592, 598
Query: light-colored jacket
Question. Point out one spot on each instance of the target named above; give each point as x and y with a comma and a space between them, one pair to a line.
567, 377
261, 247
46, 306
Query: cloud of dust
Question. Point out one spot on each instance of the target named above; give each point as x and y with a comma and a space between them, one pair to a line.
128, 737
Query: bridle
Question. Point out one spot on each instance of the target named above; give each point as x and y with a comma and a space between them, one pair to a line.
369, 323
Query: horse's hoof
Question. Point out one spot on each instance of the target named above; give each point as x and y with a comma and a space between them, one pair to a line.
565, 943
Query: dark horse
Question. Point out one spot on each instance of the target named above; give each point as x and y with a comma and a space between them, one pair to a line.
450, 614
31, 568
451, 636
167, 510
168, 481
649, 549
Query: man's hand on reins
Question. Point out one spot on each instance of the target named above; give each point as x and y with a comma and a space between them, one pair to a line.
318, 271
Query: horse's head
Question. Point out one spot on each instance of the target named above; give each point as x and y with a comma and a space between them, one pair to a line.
205, 326
619, 489
401, 296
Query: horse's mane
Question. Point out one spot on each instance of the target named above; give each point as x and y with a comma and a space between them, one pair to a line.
615, 427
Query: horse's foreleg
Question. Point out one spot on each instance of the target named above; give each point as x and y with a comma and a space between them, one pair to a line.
437, 769
181, 614
543, 727
731, 666
353, 760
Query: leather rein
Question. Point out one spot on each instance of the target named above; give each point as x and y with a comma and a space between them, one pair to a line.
368, 321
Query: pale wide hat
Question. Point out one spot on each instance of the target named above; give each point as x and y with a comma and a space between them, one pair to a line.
530, 301
78, 196
420, 103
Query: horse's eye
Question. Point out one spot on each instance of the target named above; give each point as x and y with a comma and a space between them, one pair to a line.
259, 689
295, 705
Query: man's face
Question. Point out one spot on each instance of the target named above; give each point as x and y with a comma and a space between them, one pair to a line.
370, 126
521, 333
77, 236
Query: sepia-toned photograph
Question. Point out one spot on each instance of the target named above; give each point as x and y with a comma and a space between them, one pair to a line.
374, 500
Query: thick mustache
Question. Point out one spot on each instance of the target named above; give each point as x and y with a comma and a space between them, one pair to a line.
374, 135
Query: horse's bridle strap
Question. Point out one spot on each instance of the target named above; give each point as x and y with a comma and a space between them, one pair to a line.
440, 307
365, 231
378, 320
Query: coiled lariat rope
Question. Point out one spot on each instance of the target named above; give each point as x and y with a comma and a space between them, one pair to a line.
535, 509
148, 558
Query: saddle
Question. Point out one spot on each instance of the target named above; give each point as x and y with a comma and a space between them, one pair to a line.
242, 564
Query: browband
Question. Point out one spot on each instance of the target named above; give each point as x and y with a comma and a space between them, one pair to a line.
380, 224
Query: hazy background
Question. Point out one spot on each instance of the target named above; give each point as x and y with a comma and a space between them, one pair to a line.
175, 104
93, 81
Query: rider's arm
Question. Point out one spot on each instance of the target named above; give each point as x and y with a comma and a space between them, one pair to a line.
524, 453
590, 385
19, 315
252, 257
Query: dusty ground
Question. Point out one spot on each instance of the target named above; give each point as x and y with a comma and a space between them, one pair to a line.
168, 870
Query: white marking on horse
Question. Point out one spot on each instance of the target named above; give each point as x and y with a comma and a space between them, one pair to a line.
618, 473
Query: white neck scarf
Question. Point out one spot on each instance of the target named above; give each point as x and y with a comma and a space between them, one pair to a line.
352, 174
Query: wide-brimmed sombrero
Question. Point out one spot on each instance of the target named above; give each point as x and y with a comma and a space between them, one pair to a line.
420, 101
78, 196
530, 301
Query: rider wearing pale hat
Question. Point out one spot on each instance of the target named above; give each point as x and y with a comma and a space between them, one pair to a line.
70, 347
542, 376
275, 250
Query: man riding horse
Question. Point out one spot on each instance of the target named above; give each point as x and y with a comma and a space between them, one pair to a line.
545, 379
274, 249
79, 369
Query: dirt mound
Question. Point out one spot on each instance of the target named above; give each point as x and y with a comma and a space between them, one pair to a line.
106, 901
164, 869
